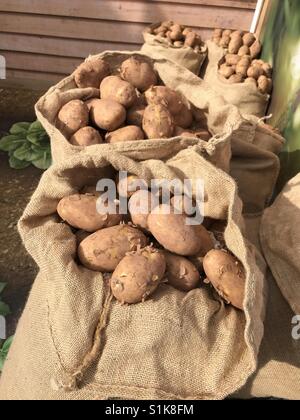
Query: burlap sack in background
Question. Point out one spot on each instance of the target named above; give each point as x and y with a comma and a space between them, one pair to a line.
222, 119
280, 240
255, 164
248, 99
173, 346
157, 46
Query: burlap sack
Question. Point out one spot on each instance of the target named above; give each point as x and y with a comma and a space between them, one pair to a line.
278, 373
255, 163
248, 99
222, 119
173, 346
157, 46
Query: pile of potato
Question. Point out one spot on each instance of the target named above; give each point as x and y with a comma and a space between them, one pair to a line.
177, 35
140, 251
241, 63
132, 106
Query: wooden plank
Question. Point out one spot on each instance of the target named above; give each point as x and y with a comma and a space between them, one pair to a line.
72, 28
135, 11
40, 63
250, 4
29, 80
59, 46
262, 18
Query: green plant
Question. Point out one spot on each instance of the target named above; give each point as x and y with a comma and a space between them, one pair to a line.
4, 346
26, 144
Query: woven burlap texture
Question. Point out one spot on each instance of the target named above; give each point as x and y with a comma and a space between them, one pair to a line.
173, 346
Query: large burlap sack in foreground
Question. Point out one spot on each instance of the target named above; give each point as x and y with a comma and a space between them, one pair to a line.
255, 164
184, 56
248, 99
222, 119
173, 346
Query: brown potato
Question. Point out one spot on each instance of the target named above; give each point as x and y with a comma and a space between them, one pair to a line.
251, 80
138, 275
181, 273
86, 136
116, 89
191, 40
242, 68
203, 134
267, 69
227, 32
234, 45
227, 276
225, 40
226, 71
103, 250
186, 31
255, 49
72, 117
179, 131
218, 32
140, 206
162, 95
135, 115
107, 114
236, 78
248, 39
255, 72
244, 50
175, 235
80, 211
91, 73
183, 204
184, 118
128, 186
232, 59
158, 122
139, 73
264, 85
91, 102
129, 133
237, 34
176, 33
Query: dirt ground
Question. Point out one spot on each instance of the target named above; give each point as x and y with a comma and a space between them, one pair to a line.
17, 269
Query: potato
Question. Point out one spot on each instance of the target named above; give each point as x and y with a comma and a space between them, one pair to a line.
107, 114
162, 95
160, 29
248, 39
232, 59
185, 117
175, 235
72, 117
139, 73
103, 250
236, 78
158, 122
140, 206
91, 102
236, 34
91, 73
183, 204
225, 40
176, 33
227, 32
179, 131
128, 186
226, 71
203, 134
186, 31
234, 45
135, 115
264, 85
255, 49
80, 211
251, 80
81, 235
86, 136
191, 40
181, 273
267, 69
255, 72
242, 68
244, 50
227, 276
116, 89
129, 133
138, 275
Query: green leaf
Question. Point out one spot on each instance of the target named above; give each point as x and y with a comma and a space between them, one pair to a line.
4, 309
44, 162
2, 287
36, 128
20, 128
4, 351
23, 152
11, 143
18, 164
37, 138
